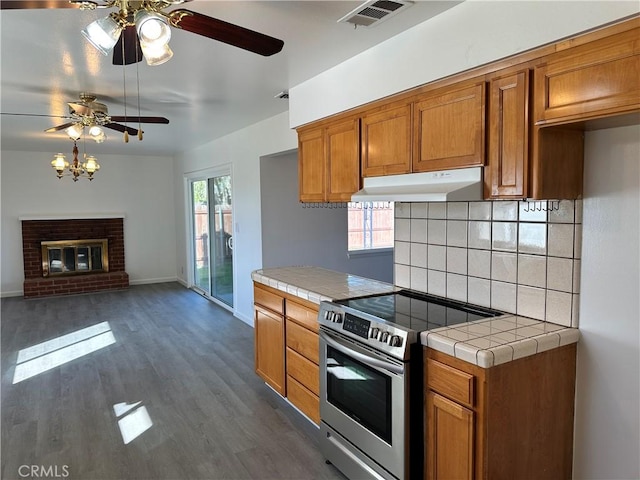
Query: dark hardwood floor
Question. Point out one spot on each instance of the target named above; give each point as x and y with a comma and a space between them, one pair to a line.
187, 361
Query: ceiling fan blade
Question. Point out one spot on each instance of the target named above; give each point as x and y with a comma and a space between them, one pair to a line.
140, 119
29, 4
59, 127
225, 32
122, 128
81, 109
35, 115
132, 50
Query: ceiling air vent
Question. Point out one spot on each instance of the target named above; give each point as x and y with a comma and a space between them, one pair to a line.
375, 11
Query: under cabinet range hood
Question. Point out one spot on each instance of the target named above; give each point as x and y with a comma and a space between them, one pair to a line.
463, 184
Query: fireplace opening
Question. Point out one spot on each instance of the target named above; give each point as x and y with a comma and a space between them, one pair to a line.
74, 257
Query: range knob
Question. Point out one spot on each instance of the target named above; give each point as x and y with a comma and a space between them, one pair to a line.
373, 333
395, 341
384, 336
337, 317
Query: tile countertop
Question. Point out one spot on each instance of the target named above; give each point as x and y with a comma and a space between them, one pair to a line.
485, 343
318, 284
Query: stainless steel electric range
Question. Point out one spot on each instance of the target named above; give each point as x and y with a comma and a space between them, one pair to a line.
371, 379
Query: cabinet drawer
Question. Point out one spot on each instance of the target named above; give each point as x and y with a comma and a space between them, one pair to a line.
306, 401
303, 315
303, 370
269, 300
450, 382
303, 341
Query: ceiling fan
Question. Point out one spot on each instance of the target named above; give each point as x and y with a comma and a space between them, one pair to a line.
141, 28
93, 115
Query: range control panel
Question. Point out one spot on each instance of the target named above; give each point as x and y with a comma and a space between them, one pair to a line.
366, 328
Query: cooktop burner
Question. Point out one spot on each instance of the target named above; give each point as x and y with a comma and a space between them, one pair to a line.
416, 310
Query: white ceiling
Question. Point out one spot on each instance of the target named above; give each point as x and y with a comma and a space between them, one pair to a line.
207, 90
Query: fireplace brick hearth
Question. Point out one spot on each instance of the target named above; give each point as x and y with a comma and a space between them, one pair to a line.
36, 231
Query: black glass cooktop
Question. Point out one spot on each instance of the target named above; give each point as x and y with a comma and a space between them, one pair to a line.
418, 311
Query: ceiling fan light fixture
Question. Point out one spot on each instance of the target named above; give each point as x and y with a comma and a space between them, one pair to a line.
97, 134
74, 131
153, 29
103, 34
156, 55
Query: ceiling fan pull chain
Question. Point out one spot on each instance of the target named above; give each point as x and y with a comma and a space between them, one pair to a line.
138, 85
124, 90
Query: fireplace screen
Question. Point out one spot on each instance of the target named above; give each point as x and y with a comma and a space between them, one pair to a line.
70, 257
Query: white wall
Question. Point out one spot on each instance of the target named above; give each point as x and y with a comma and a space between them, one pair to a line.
295, 235
139, 187
607, 434
470, 34
242, 149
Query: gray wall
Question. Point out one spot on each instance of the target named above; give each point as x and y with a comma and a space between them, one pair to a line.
294, 235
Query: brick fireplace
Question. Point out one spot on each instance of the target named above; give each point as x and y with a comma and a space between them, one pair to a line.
37, 230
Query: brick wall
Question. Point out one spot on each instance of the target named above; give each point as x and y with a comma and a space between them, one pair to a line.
36, 231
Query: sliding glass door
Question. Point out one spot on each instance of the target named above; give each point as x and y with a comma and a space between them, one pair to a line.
213, 237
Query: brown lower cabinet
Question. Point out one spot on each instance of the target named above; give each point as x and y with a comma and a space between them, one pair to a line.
514, 420
287, 348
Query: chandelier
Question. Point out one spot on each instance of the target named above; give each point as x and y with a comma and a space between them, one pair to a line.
75, 169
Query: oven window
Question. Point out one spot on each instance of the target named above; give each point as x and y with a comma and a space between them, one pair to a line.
360, 392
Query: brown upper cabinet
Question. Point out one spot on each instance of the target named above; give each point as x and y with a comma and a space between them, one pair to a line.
523, 117
524, 160
329, 161
593, 80
449, 128
508, 135
386, 140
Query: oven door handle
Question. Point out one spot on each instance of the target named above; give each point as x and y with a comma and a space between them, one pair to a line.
347, 349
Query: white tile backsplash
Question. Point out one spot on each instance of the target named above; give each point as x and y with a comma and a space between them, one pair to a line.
402, 230
457, 233
479, 263
532, 270
494, 254
418, 210
560, 271
457, 287
532, 238
479, 235
437, 210
419, 255
437, 257
480, 210
504, 266
419, 230
504, 236
437, 232
457, 260
457, 210
561, 241
401, 253
505, 210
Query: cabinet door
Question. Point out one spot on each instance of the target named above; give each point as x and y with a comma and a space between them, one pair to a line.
596, 79
269, 348
386, 141
449, 439
509, 136
311, 165
449, 129
343, 160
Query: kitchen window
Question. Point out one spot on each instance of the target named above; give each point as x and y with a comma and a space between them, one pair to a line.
370, 226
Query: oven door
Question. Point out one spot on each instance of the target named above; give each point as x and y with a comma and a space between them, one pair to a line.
364, 399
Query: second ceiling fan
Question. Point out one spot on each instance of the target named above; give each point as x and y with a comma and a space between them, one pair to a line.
141, 28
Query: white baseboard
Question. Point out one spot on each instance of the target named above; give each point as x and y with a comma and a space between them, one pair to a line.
16, 293
145, 281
